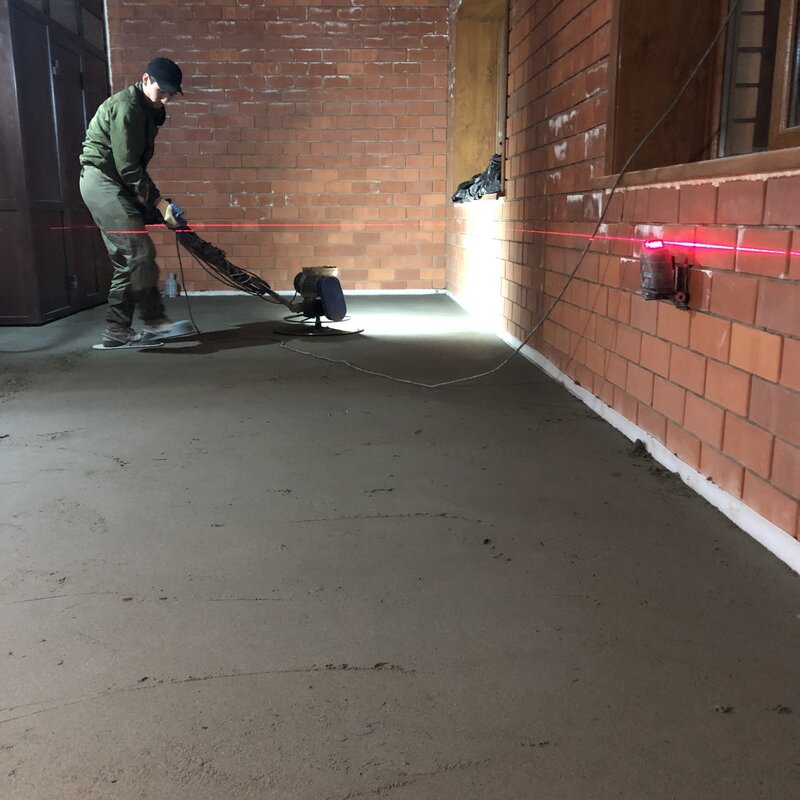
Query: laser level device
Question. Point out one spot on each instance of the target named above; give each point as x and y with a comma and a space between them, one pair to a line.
662, 276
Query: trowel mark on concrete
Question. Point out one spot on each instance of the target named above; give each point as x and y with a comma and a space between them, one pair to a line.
250, 600
380, 666
69, 515
57, 596
57, 436
415, 777
416, 514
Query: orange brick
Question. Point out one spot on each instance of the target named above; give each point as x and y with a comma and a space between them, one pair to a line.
770, 502
612, 271
644, 314
617, 370
728, 387
669, 399
698, 204
688, 369
748, 445
663, 205
794, 256
629, 343
779, 307
704, 419
763, 251
734, 296
756, 351
604, 390
790, 372
606, 333
684, 445
700, 283
710, 336
740, 203
655, 355
716, 247
619, 306
631, 274
639, 383
636, 205
596, 358
786, 468
651, 421
782, 204
724, 472
673, 324
625, 404
776, 409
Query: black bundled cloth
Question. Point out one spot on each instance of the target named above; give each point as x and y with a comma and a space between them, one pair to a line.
486, 182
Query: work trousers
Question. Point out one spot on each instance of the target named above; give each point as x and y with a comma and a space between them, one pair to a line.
133, 254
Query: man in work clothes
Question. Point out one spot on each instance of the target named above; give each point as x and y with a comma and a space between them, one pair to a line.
119, 194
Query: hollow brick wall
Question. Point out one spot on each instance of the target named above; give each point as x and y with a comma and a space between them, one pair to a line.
318, 129
719, 385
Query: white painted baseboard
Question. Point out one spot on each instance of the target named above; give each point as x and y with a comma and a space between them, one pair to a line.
776, 540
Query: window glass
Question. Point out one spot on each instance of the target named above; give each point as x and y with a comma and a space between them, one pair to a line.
794, 97
65, 12
93, 29
37, 4
481, 78
748, 79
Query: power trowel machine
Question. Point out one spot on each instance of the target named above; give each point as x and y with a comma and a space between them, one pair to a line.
319, 290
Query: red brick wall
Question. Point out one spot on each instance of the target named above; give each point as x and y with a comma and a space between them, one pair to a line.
719, 385
325, 121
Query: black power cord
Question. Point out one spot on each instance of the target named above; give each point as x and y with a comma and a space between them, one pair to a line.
571, 275
623, 170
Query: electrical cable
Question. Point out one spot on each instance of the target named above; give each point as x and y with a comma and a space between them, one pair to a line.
248, 282
183, 283
571, 275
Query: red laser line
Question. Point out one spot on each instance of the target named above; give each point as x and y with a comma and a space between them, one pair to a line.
438, 223
673, 242
731, 248
580, 235
232, 225
366, 224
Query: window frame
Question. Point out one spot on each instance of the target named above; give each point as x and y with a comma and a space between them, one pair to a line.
782, 138
481, 84
781, 134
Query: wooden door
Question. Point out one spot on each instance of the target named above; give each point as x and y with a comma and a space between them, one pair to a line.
33, 69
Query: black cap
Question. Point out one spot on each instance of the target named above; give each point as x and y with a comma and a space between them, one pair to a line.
166, 73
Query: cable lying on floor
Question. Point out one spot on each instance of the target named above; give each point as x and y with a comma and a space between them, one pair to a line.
215, 261
573, 272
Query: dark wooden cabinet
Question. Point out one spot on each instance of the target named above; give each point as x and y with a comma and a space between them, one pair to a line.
52, 259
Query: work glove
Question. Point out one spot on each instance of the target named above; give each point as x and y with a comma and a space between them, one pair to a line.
171, 212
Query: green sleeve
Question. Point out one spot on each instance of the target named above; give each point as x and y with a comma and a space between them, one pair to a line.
128, 133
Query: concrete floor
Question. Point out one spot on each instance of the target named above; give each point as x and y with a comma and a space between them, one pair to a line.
230, 571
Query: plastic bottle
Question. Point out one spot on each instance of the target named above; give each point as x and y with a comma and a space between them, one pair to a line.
171, 286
